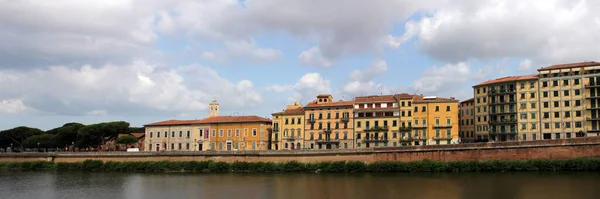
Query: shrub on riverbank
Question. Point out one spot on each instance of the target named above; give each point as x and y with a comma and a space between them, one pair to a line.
580, 164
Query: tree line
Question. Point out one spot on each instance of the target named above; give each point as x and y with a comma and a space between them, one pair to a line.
76, 134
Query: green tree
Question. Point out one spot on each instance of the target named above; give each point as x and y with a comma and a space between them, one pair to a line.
65, 135
136, 130
44, 141
17, 135
127, 140
97, 134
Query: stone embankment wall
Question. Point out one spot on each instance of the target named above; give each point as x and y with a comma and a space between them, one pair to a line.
543, 149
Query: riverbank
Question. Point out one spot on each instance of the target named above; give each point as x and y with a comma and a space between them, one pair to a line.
577, 164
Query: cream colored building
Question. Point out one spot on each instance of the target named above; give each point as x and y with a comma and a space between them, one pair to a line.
329, 123
376, 121
288, 128
177, 135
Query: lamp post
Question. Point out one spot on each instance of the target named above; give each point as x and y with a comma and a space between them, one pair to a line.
38, 148
11, 147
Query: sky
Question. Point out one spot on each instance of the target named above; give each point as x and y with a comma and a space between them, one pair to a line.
144, 61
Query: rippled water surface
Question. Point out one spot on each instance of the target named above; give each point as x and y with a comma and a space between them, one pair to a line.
304, 185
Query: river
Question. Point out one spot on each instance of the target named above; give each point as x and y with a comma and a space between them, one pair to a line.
65, 185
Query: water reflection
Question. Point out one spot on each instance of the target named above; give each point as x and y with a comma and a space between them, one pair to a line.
305, 185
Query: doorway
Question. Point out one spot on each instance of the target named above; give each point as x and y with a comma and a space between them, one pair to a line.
292, 146
228, 145
200, 147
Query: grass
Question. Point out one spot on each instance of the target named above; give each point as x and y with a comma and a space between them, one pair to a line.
579, 164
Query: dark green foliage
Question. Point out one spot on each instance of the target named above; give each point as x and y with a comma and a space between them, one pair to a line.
580, 164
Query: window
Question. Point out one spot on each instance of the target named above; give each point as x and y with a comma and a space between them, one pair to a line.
523, 126
524, 137
545, 94
576, 81
577, 113
533, 126
566, 82
532, 115
328, 115
172, 146
577, 103
237, 132
253, 132
557, 125
214, 133
221, 133
437, 108
556, 114
394, 123
424, 109
546, 105
546, 125
522, 85
172, 134
577, 92
546, 115
200, 133
567, 124
555, 94
577, 124
150, 136
188, 134
567, 103
337, 115
532, 95
409, 114
299, 120
531, 84
165, 134
409, 103
544, 84
556, 104
523, 116
555, 83
447, 108
228, 132
358, 124
286, 121
402, 103
522, 95
566, 93
179, 146
293, 121
533, 105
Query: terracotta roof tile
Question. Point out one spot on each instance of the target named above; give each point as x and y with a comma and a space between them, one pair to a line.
571, 65
469, 100
508, 79
138, 135
330, 104
403, 96
295, 111
324, 95
375, 98
212, 120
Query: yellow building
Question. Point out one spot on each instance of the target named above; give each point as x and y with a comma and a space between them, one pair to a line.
435, 120
466, 118
233, 133
329, 124
509, 110
288, 128
376, 121
570, 99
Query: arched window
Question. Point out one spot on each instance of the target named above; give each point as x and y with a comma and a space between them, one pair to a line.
337, 135
165, 134
320, 136
312, 136
285, 133
150, 136
180, 133
292, 133
172, 134
286, 145
188, 133
298, 146
345, 135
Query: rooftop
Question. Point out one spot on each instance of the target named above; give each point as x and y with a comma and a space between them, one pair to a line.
508, 79
571, 65
330, 104
212, 120
294, 111
422, 99
403, 96
469, 100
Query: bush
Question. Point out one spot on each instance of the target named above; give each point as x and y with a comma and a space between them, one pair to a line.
356, 166
219, 167
92, 165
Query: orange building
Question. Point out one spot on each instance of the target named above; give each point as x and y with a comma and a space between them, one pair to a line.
233, 133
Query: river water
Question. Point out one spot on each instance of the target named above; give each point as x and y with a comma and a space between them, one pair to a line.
64, 185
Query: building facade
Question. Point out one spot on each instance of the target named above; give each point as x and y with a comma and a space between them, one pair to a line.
376, 121
466, 118
329, 124
435, 120
177, 135
288, 128
238, 133
570, 98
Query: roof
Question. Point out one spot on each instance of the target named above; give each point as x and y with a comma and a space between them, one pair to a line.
508, 79
330, 104
138, 135
294, 111
571, 65
213, 120
420, 99
375, 98
403, 96
324, 95
469, 100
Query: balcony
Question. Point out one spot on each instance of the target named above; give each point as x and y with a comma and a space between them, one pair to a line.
442, 138
503, 112
405, 129
406, 139
328, 141
327, 131
596, 85
504, 121
276, 139
502, 132
588, 107
311, 120
345, 119
593, 119
442, 126
377, 128
419, 138
276, 129
502, 91
588, 96
419, 126
292, 138
375, 140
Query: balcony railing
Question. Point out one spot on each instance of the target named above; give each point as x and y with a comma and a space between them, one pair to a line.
589, 96
326, 131
596, 85
406, 139
503, 132
377, 128
276, 129
405, 129
593, 119
592, 107
375, 139
420, 126
292, 138
439, 137
311, 120
442, 126
328, 141
345, 119
504, 121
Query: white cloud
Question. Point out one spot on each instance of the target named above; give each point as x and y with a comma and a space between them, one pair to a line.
549, 32
249, 49
313, 57
137, 88
306, 88
444, 80
14, 106
209, 55
361, 82
525, 65
96, 113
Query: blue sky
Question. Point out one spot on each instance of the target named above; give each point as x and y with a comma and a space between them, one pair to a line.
147, 61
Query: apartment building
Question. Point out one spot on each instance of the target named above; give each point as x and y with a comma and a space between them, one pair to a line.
376, 121
177, 135
570, 98
405, 103
288, 128
435, 120
329, 123
466, 118
506, 109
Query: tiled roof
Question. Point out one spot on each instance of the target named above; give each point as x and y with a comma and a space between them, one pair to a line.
323, 95
403, 96
330, 104
421, 99
294, 111
469, 100
138, 135
507, 79
375, 98
571, 65
212, 120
